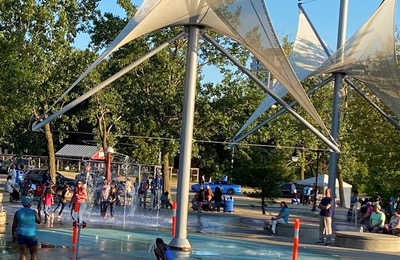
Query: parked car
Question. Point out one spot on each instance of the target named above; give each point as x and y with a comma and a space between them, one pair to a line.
36, 175
286, 189
226, 187
3, 167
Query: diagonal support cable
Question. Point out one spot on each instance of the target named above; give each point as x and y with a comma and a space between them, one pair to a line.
333, 145
372, 103
38, 125
278, 113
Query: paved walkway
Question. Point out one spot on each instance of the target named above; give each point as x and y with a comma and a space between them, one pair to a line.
213, 235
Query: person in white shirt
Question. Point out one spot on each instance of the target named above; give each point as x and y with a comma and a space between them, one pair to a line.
293, 190
11, 188
13, 173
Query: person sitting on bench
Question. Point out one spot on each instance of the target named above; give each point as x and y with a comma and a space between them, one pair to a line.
281, 218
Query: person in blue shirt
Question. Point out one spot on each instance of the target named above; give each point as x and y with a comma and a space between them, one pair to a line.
24, 228
306, 195
162, 250
281, 218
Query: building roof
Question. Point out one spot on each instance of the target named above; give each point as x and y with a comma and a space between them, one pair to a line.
77, 151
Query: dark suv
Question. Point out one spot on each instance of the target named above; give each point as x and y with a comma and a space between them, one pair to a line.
36, 175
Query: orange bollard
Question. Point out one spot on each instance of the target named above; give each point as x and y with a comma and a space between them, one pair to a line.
74, 232
296, 239
173, 229
75, 225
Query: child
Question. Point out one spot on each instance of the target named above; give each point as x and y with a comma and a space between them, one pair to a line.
162, 251
62, 200
165, 200
47, 202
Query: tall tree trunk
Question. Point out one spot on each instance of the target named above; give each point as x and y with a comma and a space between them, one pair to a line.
50, 152
341, 190
165, 171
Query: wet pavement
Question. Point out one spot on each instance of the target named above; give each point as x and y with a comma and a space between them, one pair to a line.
212, 235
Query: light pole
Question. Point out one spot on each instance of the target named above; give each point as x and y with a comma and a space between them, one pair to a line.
314, 208
295, 158
109, 152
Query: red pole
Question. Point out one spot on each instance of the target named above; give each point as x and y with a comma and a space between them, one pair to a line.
75, 225
173, 218
296, 239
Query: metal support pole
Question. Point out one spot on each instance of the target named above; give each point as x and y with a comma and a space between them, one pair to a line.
180, 240
334, 156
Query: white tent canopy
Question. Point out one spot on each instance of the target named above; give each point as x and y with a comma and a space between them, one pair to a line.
323, 180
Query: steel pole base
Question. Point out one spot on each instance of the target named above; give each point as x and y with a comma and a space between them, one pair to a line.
180, 244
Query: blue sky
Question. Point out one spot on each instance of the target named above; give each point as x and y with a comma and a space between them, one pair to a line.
284, 14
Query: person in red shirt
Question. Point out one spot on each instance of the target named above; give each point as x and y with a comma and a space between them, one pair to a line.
78, 200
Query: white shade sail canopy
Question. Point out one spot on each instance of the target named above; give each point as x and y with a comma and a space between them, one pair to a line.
246, 21
369, 55
306, 56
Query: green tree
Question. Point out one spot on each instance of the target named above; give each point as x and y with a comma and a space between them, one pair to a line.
263, 170
40, 34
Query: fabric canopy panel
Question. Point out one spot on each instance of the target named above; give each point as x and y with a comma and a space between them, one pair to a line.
246, 21
369, 55
307, 55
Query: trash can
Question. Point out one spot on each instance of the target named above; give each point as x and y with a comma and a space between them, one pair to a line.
228, 204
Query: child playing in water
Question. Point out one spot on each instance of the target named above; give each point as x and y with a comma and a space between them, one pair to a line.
162, 251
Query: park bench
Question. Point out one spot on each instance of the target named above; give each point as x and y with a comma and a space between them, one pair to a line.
367, 241
308, 232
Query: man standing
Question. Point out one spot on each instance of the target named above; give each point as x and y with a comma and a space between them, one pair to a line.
104, 193
325, 222
306, 194
293, 191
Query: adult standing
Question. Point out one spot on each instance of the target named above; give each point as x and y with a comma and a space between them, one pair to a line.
217, 198
293, 191
325, 221
13, 173
104, 193
62, 200
11, 188
24, 228
143, 187
112, 198
46, 177
306, 195
78, 200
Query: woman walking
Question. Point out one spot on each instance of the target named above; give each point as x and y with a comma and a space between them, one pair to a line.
24, 228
